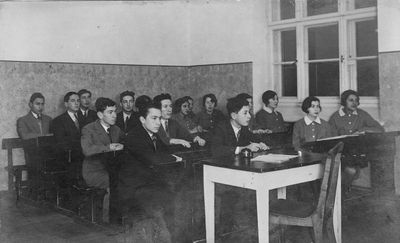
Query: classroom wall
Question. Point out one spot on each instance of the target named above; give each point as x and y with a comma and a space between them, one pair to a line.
20, 79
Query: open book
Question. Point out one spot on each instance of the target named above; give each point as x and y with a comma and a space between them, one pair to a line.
274, 158
338, 137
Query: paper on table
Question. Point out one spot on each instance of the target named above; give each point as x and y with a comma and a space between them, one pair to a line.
274, 158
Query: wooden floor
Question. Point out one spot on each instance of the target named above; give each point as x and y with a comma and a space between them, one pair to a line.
367, 218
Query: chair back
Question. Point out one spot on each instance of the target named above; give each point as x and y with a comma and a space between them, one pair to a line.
329, 182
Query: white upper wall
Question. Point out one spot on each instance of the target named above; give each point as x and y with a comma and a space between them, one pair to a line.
148, 33
144, 33
388, 25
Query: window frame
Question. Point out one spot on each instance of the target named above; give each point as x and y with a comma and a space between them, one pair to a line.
346, 17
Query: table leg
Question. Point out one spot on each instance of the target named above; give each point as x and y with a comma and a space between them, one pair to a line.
209, 204
263, 215
281, 193
337, 210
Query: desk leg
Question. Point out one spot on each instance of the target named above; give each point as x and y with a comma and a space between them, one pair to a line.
263, 214
281, 193
337, 210
209, 204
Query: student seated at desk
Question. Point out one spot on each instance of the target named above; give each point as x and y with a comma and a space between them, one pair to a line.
127, 119
98, 138
209, 117
232, 136
184, 117
85, 114
268, 118
143, 190
191, 103
311, 127
171, 132
349, 119
35, 123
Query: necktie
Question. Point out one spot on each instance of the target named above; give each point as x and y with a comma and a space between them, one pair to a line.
238, 135
166, 128
76, 121
39, 117
109, 134
126, 123
154, 139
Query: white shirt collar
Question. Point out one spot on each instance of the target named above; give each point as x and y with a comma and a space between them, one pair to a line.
126, 115
163, 121
72, 115
269, 110
308, 121
34, 114
83, 111
105, 126
342, 113
235, 129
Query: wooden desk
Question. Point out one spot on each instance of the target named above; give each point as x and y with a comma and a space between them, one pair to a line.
262, 177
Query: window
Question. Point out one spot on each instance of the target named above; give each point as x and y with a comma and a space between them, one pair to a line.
323, 47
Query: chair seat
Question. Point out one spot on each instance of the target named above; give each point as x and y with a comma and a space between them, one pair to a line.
292, 208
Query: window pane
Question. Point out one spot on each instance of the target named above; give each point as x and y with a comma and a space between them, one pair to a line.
287, 9
324, 79
368, 77
315, 7
289, 80
364, 3
288, 45
366, 38
323, 42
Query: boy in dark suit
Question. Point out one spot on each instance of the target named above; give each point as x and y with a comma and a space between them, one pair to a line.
35, 123
142, 188
85, 115
66, 129
98, 138
232, 136
127, 119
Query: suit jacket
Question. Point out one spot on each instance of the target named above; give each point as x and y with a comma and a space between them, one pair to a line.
138, 166
224, 141
176, 130
132, 122
66, 133
95, 143
28, 126
91, 117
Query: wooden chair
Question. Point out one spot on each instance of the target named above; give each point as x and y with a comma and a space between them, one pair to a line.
290, 212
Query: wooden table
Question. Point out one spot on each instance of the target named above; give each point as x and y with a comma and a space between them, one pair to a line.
263, 177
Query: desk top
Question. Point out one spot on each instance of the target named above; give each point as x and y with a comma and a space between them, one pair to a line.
237, 162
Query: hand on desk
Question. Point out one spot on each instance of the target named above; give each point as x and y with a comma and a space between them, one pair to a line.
182, 142
116, 146
178, 159
199, 140
254, 147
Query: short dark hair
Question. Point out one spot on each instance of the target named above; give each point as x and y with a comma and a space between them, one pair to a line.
188, 98
158, 98
212, 97
144, 110
126, 93
68, 95
178, 104
234, 105
269, 94
84, 91
307, 103
142, 101
346, 94
36, 95
244, 96
102, 103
